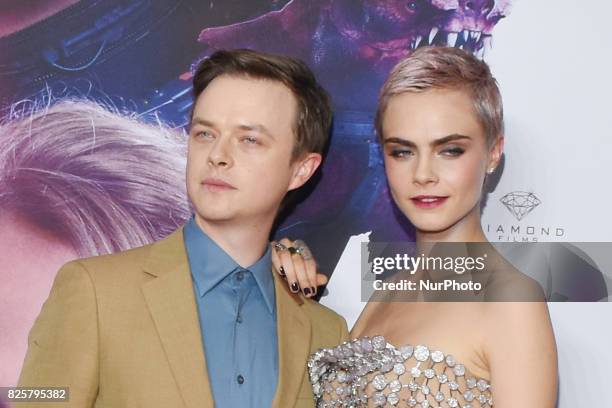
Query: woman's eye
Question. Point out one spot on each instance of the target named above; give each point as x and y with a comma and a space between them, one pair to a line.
453, 151
400, 153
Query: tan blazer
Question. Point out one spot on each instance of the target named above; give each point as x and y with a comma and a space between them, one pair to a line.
122, 331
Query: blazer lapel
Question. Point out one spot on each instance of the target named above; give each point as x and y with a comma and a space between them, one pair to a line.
171, 301
293, 328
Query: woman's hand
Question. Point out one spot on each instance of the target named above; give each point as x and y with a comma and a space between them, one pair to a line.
294, 262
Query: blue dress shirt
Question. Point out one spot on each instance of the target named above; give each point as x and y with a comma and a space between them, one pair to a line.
237, 312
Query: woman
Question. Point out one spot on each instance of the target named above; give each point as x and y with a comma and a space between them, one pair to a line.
440, 122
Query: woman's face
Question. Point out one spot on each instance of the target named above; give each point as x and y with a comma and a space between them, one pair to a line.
436, 158
29, 260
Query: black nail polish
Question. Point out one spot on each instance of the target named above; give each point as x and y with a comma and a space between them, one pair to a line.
314, 290
282, 271
295, 287
306, 291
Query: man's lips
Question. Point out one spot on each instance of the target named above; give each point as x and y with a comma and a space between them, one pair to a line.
428, 201
214, 184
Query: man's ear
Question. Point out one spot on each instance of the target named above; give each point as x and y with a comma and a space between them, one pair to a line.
303, 169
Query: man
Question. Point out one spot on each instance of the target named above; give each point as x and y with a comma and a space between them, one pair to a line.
196, 319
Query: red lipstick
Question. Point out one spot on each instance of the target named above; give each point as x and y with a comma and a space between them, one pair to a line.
428, 201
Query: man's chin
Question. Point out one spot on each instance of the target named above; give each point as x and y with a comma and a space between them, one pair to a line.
210, 216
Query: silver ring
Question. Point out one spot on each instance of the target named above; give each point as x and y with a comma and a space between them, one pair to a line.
279, 247
302, 249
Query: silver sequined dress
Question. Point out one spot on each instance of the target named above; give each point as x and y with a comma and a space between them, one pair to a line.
369, 372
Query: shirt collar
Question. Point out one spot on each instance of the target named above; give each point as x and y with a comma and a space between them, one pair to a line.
210, 264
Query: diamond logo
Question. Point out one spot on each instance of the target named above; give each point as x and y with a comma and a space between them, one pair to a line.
520, 203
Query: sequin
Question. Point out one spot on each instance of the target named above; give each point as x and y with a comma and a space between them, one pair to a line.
395, 386
421, 353
482, 385
393, 399
366, 345
379, 343
468, 396
406, 352
437, 356
459, 370
379, 382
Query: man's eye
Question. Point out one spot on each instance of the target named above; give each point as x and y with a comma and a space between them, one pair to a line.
204, 134
250, 140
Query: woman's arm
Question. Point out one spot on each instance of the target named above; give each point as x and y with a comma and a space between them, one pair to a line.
522, 353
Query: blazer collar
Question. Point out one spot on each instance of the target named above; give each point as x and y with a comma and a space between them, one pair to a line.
171, 301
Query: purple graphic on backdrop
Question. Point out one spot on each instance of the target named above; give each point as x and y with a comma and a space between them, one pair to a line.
353, 44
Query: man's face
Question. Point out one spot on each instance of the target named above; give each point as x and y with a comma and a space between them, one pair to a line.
239, 164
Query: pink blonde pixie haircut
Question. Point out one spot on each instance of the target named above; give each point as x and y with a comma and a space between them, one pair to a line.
446, 68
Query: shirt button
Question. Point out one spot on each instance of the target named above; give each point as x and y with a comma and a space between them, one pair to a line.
239, 319
240, 379
240, 275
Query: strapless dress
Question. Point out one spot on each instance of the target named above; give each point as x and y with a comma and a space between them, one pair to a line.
370, 372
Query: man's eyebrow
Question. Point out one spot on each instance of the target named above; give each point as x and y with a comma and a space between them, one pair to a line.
249, 128
203, 122
257, 128
434, 143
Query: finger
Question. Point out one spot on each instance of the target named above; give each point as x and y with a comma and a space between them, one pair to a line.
309, 264
288, 267
276, 261
321, 279
300, 271
311, 273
